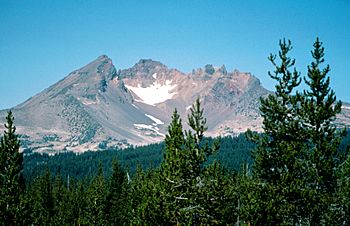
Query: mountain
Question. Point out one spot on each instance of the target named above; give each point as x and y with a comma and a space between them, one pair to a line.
97, 106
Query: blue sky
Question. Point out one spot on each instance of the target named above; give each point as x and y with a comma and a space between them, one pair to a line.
42, 41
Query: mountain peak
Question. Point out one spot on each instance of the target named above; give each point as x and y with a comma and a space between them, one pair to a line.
103, 57
149, 63
100, 67
144, 68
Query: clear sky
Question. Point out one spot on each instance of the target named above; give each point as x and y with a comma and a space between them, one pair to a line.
42, 41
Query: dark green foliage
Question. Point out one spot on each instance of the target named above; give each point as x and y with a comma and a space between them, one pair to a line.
279, 163
96, 200
232, 153
298, 156
184, 190
11, 179
118, 194
41, 198
63, 207
344, 191
320, 109
83, 165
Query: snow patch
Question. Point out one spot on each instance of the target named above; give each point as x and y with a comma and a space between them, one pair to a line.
137, 100
154, 119
155, 93
345, 107
154, 75
135, 106
143, 126
188, 107
149, 127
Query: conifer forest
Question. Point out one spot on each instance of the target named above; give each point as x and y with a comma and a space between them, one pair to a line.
296, 172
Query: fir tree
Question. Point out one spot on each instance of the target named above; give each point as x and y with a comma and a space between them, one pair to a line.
11, 179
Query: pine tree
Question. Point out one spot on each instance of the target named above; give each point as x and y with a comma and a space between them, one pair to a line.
344, 191
297, 157
184, 189
246, 191
174, 142
279, 157
117, 203
96, 200
320, 109
192, 191
79, 198
61, 202
172, 169
11, 179
42, 201
147, 199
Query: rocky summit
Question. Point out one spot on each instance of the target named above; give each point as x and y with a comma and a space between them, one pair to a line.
97, 106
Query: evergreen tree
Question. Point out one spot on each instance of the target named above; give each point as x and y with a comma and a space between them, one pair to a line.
11, 179
96, 200
146, 202
42, 201
246, 191
79, 202
173, 168
60, 202
117, 198
320, 109
184, 190
174, 143
193, 193
344, 192
297, 156
279, 157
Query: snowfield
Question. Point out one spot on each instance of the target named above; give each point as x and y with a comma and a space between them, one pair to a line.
154, 94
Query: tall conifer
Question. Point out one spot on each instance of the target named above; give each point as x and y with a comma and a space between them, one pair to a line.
117, 203
320, 108
11, 179
297, 156
280, 149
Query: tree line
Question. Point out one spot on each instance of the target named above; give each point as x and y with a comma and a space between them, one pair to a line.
232, 153
300, 172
